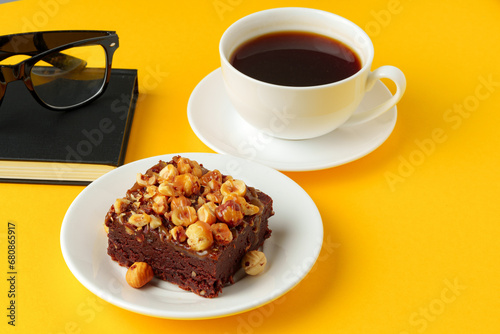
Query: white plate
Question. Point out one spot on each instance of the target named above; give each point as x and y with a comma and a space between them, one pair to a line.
214, 121
290, 251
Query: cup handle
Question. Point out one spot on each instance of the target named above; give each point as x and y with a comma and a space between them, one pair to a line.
389, 72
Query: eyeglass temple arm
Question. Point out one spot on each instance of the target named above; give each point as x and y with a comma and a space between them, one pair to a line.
65, 62
59, 60
69, 65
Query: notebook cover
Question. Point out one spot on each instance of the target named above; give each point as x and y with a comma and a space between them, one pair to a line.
96, 133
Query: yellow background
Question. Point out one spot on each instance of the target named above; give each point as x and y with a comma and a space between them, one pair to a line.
411, 231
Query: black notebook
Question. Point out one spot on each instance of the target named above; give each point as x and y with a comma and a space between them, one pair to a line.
38, 145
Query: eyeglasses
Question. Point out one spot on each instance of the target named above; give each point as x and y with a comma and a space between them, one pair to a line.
66, 69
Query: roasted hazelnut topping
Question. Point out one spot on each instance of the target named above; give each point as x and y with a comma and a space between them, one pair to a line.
215, 197
213, 175
206, 213
199, 236
186, 201
178, 202
155, 222
120, 205
197, 171
145, 180
246, 208
184, 216
237, 187
160, 205
178, 233
222, 233
168, 173
229, 213
167, 189
150, 192
184, 166
139, 219
187, 184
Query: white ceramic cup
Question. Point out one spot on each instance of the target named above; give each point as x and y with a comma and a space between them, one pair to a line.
304, 112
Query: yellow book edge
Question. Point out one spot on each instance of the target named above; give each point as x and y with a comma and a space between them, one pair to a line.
52, 171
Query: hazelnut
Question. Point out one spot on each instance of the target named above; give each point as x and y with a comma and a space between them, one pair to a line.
200, 201
187, 184
233, 186
199, 236
197, 171
150, 192
214, 185
139, 274
250, 209
254, 262
166, 189
221, 233
160, 205
184, 166
229, 213
206, 213
178, 202
155, 222
120, 205
184, 216
227, 178
246, 208
139, 219
168, 173
136, 205
214, 175
135, 196
215, 197
178, 233
145, 180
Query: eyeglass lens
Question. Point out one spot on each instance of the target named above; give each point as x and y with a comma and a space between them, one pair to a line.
71, 76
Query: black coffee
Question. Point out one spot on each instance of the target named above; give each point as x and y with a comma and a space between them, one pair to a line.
295, 59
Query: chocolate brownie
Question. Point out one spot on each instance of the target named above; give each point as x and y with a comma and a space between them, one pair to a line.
190, 224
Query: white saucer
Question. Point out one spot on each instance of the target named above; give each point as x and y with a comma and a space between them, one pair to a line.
290, 254
214, 121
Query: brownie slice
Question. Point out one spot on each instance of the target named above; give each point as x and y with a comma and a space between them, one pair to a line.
191, 225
